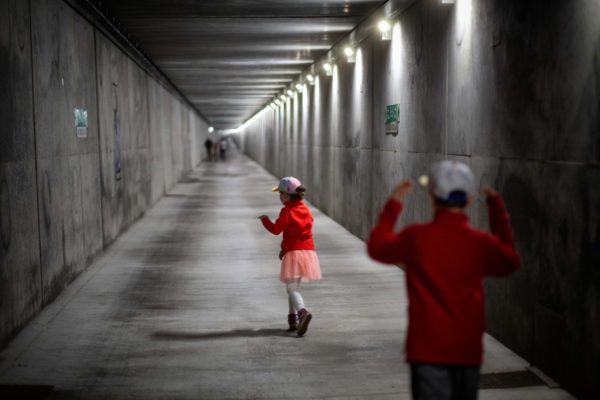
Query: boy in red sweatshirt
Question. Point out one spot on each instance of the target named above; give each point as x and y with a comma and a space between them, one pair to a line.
445, 262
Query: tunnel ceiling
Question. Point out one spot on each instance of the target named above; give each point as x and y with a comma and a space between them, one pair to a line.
229, 57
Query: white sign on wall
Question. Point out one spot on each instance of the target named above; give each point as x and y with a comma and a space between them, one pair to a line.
81, 122
392, 117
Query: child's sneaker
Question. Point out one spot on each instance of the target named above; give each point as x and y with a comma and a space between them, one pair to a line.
292, 323
304, 318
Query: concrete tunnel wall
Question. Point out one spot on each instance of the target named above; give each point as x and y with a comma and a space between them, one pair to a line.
60, 200
511, 88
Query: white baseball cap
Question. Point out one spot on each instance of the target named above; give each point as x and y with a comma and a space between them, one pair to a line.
451, 181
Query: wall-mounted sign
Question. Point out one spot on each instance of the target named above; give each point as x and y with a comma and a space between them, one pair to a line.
392, 117
117, 145
81, 122
117, 120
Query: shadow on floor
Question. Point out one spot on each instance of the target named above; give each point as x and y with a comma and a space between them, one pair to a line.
237, 333
24, 392
509, 380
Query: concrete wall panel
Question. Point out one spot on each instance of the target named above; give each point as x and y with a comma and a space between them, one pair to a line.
64, 79
16, 107
168, 140
113, 108
177, 139
383, 170
19, 238
516, 181
196, 142
186, 140
20, 274
158, 141
138, 180
422, 78
365, 187
362, 97
125, 137
570, 253
200, 132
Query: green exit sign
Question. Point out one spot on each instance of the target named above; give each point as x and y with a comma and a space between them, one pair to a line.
392, 117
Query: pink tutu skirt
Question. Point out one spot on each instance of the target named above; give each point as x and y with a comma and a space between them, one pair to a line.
300, 264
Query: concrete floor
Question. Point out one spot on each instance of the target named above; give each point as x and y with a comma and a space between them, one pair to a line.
187, 305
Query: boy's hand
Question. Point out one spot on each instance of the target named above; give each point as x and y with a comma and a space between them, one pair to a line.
263, 216
281, 254
489, 192
402, 190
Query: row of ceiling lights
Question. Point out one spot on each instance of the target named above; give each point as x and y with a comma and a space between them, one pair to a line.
385, 28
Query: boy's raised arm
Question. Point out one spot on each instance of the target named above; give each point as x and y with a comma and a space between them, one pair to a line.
380, 245
384, 245
499, 218
507, 260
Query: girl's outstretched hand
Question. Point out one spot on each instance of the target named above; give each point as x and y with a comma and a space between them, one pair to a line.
402, 190
263, 216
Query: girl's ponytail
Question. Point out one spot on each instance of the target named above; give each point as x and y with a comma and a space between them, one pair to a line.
300, 191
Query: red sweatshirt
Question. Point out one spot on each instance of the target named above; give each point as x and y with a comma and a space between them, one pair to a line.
446, 261
295, 220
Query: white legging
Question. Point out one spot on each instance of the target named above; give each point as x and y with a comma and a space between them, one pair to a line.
295, 300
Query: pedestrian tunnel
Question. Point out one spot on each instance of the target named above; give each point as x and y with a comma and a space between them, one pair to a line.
139, 143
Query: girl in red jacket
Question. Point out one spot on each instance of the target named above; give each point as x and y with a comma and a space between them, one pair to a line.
299, 260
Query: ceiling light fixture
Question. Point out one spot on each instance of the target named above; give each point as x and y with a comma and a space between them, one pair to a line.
350, 54
283, 98
211, 129
385, 29
299, 87
290, 93
328, 69
310, 79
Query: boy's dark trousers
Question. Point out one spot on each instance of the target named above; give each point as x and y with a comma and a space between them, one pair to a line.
444, 382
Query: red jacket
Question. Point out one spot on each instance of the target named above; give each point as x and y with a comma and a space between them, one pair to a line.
446, 261
295, 220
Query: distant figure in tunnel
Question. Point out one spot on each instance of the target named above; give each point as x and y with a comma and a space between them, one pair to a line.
445, 262
215, 151
223, 149
299, 261
208, 145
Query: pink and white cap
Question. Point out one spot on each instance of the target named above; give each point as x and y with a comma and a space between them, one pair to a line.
288, 185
